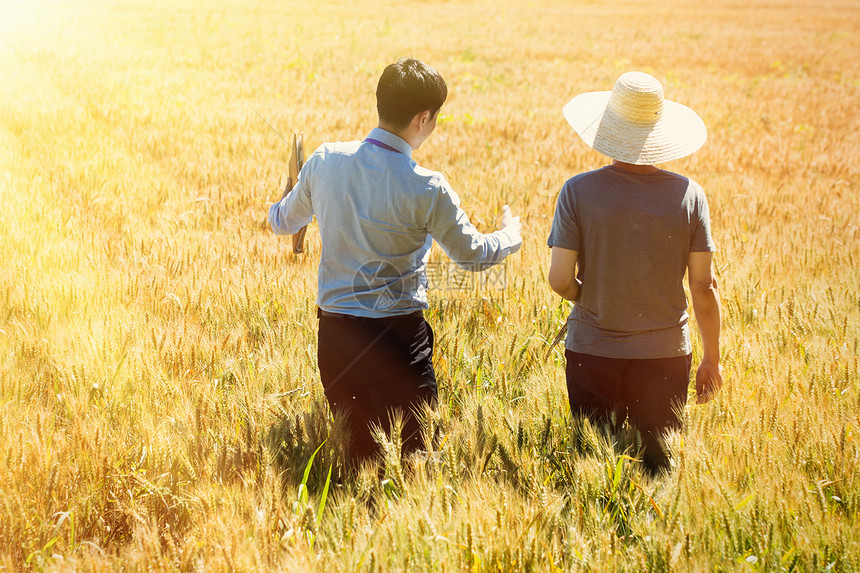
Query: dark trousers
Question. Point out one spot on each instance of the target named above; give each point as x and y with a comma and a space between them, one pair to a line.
649, 393
372, 367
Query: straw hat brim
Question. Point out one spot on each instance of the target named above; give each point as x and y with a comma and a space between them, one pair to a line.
678, 133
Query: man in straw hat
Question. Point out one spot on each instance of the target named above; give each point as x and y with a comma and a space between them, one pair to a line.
622, 238
378, 214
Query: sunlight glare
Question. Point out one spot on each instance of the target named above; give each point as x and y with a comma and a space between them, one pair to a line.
16, 16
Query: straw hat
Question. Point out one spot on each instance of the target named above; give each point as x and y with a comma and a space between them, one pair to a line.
634, 124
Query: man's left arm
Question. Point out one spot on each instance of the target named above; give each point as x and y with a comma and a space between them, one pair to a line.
562, 273
295, 209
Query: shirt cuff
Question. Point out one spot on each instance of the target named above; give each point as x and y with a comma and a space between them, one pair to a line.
510, 241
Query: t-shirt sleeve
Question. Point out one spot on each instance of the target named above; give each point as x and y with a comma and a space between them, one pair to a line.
700, 235
565, 231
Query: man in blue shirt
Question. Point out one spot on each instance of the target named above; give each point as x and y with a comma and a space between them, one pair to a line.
378, 213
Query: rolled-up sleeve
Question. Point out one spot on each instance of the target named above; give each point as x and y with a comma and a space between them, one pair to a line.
295, 210
449, 225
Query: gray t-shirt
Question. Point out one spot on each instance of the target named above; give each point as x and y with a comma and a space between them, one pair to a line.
634, 234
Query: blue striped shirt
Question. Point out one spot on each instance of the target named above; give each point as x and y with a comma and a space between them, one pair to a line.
378, 213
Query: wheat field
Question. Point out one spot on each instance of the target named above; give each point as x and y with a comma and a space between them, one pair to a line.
160, 406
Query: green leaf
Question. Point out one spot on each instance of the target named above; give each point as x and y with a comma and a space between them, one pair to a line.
303, 487
324, 495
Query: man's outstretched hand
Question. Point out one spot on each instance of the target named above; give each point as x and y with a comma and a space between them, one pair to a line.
509, 222
709, 380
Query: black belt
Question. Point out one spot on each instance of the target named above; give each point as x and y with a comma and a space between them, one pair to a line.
326, 314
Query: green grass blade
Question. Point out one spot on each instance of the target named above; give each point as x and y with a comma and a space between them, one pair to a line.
303, 487
324, 495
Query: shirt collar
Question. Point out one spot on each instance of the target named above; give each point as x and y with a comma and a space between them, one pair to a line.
394, 141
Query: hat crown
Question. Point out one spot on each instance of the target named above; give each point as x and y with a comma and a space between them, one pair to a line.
637, 97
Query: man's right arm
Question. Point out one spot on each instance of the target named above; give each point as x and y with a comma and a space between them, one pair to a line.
706, 305
472, 250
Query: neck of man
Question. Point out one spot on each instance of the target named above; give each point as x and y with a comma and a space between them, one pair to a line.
419, 129
407, 134
638, 169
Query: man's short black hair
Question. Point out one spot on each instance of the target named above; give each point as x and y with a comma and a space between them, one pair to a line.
406, 88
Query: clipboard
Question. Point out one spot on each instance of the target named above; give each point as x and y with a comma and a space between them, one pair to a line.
297, 161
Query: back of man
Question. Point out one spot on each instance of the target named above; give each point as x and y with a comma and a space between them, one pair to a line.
634, 233
622, 238
378, 213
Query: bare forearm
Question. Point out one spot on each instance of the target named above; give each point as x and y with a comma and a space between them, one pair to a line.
569, 291
562, 273
706, 305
